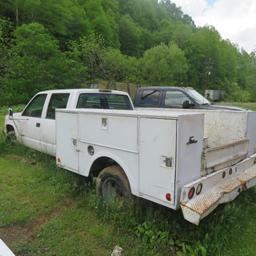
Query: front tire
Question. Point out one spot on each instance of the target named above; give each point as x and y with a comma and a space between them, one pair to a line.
112, 184
11, 137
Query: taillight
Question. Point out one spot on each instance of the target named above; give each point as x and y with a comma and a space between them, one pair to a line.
191, 193
168, 197
199, 188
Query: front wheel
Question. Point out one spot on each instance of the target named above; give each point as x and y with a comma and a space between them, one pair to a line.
10, 137
112, 184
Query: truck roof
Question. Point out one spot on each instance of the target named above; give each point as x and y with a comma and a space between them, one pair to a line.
85, 91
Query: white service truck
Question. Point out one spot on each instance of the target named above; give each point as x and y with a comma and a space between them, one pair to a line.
188, 159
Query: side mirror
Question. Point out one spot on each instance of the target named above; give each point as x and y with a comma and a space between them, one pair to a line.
186, 104
10, 112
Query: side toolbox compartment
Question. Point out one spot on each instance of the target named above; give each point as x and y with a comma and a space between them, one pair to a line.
67, 141
157, 159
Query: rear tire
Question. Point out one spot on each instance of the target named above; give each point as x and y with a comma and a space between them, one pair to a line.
112, 184
10, 137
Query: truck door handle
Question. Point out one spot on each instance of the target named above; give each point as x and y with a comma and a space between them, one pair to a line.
37, 124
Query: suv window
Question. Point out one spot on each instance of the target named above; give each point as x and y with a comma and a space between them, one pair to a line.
150, 98
58, 100
175, 99
35, 107
103, 101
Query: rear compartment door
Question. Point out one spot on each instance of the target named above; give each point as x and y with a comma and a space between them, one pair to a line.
157, 143
67, 152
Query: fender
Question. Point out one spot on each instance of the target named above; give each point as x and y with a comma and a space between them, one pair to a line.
131, 176
12, 123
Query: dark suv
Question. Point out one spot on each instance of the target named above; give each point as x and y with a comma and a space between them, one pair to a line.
174, 97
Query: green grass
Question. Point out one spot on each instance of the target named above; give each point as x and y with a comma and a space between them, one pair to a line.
249, 105
36, 191
48, 211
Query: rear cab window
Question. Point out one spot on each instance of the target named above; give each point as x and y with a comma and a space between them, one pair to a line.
104, 101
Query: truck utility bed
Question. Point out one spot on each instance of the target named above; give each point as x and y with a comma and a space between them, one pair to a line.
173, 158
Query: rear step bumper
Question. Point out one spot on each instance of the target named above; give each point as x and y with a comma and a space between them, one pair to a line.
217, 188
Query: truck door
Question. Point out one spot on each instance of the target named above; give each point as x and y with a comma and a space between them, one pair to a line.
30, 122
57, 101
157, 143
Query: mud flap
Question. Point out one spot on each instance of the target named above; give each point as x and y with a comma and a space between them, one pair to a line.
225, 191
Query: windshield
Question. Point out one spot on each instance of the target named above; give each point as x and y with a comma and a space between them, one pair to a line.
197, 96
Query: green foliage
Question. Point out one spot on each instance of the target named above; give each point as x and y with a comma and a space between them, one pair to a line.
89, 52
5, 31
68, 42
64, 18
164, 64
103, 19
35, 63
130, 36
237, 94
119, 67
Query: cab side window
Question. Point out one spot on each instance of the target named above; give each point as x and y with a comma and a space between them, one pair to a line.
175, 99
58, 100
150, 98
35, 107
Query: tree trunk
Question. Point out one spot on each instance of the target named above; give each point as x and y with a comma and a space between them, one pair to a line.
17, 14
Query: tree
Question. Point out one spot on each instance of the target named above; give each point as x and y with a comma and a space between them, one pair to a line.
65, 19
130, 37
119, 67
36, 63
5, 43
165, 65
203, 54
103, 18
89, 52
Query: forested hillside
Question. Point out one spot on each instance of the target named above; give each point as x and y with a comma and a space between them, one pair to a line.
67, 43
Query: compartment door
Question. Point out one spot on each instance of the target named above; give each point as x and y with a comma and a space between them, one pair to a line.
67, 152
157, 142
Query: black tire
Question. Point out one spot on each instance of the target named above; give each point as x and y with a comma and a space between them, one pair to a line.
112, 184
11, 137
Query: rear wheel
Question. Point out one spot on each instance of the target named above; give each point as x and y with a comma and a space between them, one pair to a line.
112, 184
10, 137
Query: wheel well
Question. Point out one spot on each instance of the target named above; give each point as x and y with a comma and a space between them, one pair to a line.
100, 164
9, 128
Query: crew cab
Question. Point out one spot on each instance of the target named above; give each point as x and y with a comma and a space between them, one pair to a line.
35, 125
175, 97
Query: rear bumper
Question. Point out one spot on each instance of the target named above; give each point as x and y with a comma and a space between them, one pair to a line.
217, 188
